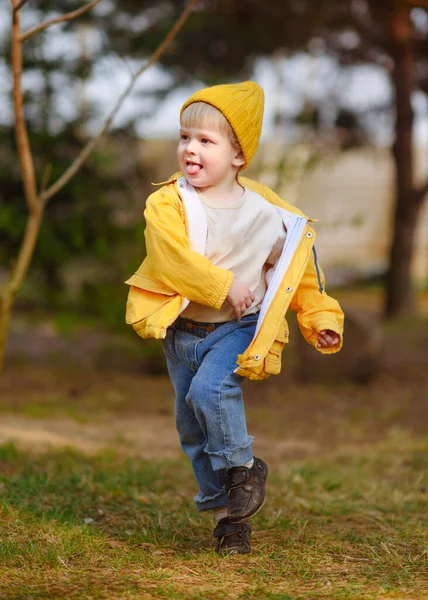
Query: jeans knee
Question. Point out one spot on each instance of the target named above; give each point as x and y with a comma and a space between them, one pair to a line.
198, 394
205, 394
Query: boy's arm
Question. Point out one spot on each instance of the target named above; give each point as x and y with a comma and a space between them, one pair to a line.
177, 266
316, 311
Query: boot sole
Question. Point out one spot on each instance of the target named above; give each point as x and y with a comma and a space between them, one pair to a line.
232, 552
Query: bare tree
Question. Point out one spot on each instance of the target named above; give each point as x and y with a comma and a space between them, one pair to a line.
400, 296
38, 197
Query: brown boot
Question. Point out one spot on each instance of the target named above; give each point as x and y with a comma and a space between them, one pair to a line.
233, 538
246, 489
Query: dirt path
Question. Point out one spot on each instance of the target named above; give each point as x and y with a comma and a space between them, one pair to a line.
43, 408
152, 437
46, 407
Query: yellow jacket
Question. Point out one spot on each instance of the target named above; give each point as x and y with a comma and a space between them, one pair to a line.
174, 273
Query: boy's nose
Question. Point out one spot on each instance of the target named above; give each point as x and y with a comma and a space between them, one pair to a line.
191, 147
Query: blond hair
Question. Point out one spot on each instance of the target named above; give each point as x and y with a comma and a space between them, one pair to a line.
201, 114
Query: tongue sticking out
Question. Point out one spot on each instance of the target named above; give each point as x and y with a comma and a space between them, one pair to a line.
193, 169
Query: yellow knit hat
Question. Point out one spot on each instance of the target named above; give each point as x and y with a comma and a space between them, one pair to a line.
242, 105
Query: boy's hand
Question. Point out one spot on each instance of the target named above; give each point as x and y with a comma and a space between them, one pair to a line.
328, 339
240, 297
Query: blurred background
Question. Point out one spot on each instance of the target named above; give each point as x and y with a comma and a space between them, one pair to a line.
345, 138
95, 492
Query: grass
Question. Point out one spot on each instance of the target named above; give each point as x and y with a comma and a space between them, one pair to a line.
108, 514
348, 526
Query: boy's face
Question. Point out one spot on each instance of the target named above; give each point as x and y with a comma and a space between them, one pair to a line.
207, 157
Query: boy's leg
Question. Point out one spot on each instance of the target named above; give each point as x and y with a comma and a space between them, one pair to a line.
178, 346
215, 397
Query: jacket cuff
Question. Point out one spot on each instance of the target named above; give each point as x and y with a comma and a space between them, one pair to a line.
218, 302
321, 326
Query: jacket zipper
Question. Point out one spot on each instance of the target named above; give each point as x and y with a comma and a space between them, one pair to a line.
283, 264
294, 283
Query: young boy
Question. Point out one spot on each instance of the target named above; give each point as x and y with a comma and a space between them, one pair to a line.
226, 258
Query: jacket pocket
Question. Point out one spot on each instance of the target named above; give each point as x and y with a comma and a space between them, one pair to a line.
273, 357
142, 303
151, 285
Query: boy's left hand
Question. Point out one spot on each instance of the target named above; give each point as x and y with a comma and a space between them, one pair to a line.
328, 339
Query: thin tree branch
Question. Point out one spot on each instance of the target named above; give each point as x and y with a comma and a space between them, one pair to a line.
21, 132
87, 149
19, 5
67, 17
169, 38
20, 268
45, 179
35, 208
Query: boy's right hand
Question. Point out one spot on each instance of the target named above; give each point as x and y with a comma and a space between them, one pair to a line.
240, 297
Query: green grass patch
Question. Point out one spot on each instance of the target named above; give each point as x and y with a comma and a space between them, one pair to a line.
350, 527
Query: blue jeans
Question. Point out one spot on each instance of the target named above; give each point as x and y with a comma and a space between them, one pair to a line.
209, 407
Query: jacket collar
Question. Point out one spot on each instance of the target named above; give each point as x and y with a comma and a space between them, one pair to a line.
172, 179
176, 176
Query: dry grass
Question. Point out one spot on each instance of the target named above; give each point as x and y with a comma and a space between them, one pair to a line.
352, 526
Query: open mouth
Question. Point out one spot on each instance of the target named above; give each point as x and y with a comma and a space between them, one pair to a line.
193, 168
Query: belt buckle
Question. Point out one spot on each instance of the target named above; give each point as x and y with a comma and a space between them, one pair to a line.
209, 327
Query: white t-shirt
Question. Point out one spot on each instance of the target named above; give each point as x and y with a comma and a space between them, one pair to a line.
246, 238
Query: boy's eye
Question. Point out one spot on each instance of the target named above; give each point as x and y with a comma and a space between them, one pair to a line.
183, 137
205, 141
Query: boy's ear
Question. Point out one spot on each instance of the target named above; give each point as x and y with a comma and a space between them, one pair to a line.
238, 159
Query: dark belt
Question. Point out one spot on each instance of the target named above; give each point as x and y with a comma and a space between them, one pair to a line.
195, 327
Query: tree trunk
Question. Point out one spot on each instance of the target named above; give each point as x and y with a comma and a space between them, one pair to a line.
400, 296
17, 275
6, 301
